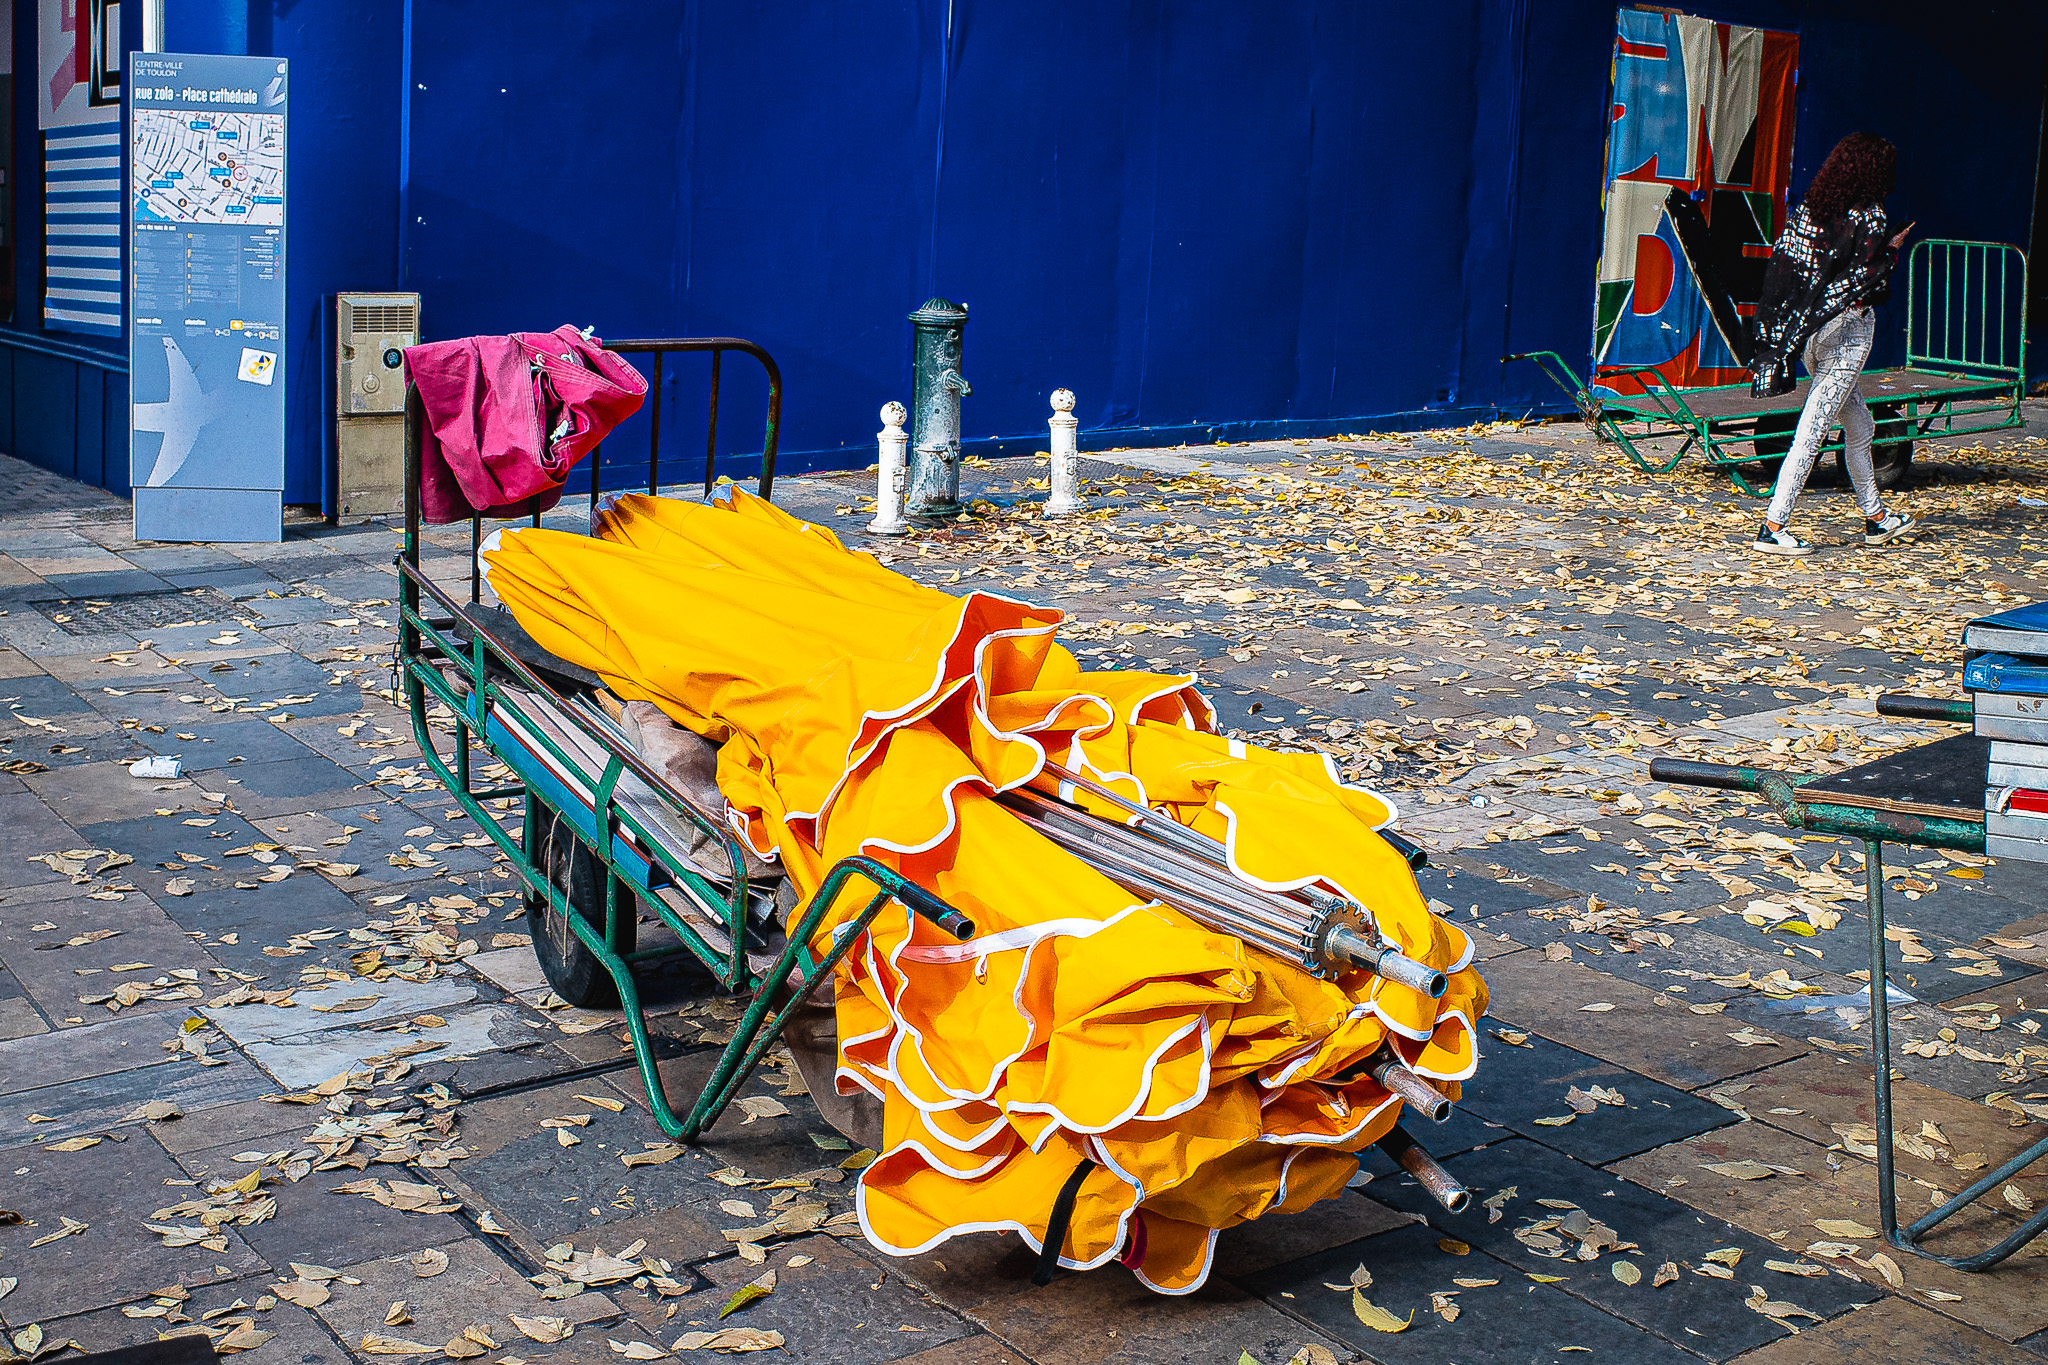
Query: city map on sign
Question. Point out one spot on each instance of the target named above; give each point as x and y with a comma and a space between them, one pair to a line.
208, 168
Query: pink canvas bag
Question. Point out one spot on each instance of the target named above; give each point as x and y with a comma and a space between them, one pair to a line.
509, 416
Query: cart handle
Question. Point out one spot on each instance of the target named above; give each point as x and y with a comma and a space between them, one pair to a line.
915, 897
1688, 772
1906, 706
1552, 364
1779, 789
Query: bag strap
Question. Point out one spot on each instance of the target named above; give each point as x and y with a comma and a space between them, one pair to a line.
1056, 1225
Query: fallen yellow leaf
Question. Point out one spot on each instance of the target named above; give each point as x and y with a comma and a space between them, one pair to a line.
1376, 1317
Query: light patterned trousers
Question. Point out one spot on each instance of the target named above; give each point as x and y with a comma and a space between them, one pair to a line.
1834, 357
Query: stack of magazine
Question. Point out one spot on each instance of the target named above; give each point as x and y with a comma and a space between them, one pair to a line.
2006, 669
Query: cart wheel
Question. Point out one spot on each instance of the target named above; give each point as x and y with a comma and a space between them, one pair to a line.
1891, 449
572, 970
1892, 463
1774, 438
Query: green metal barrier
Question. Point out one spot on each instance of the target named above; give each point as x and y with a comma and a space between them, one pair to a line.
1943, 331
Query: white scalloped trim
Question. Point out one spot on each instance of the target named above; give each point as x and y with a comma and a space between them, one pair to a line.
885, 967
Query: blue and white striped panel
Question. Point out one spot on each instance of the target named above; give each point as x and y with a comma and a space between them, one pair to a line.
82, 204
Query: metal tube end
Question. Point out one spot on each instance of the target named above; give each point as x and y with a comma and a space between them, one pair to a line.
1443, 1187
941, 915
1416, 856
1397, 967
1385, 960
1413, 1090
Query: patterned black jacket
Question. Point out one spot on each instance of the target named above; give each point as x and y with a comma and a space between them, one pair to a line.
1814, 274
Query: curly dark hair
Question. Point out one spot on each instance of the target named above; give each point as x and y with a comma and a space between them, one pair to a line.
1861, 170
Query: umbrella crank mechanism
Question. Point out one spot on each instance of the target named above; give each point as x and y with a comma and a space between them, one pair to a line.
1339, 931
1381, 958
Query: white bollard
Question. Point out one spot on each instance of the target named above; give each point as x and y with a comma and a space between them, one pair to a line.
892, 451
1066, 456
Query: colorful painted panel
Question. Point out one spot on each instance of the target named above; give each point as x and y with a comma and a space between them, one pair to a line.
1699, 160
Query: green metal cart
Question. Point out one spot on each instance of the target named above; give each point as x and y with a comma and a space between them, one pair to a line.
1931, 796
603, 835
1965, 373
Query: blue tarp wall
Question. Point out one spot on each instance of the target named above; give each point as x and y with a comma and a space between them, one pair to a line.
1208, 219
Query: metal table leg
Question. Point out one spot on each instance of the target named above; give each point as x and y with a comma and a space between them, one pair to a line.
1881, 1039
1908, 1238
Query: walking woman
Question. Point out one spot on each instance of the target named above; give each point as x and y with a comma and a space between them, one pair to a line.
1831, 264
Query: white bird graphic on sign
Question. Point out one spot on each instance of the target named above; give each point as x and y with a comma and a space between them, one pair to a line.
180, 417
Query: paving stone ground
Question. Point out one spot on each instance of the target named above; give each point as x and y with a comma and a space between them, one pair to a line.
1498, 627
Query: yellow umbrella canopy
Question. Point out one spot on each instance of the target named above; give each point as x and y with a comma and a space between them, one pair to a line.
1180, 1081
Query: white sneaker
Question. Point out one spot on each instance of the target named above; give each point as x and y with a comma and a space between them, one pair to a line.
1779, 542
1888, 527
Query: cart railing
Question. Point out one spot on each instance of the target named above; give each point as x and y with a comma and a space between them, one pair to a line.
424, 646
1966, 307
659, 348
468, 677
662, 347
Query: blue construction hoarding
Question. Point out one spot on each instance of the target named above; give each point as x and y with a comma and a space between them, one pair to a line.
1207, 219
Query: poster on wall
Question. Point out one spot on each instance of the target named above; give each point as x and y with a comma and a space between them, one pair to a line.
78, 102
207, 138
1699, 164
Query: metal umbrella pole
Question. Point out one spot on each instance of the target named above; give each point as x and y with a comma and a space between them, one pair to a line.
1318, 929
1407, 1153
1156, 856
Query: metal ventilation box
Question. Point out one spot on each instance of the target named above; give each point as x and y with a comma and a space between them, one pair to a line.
371, 333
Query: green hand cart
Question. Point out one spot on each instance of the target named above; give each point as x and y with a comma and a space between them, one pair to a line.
603, 834
1965, 373
1931, 796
